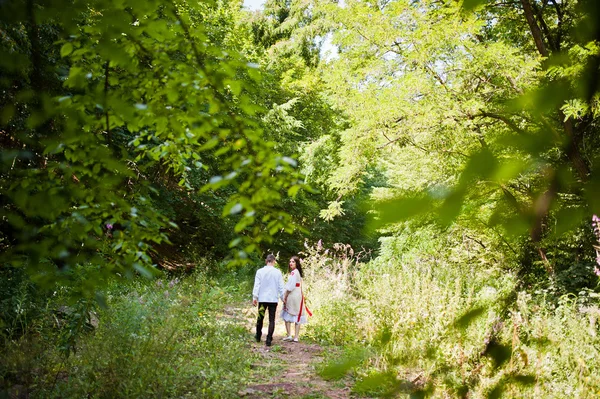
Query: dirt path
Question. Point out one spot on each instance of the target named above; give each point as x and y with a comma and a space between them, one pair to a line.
286, 369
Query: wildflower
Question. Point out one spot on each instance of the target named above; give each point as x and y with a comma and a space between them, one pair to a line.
596, 226
319, 245
597, 271
159, 283
109, 226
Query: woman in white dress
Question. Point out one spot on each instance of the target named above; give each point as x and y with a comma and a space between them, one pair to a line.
294, 308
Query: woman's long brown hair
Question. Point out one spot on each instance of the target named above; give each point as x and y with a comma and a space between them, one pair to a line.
296, 259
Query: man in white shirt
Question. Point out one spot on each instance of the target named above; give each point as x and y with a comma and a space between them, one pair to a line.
268, 288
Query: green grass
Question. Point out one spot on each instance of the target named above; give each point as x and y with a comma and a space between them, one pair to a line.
445, 329
162, 338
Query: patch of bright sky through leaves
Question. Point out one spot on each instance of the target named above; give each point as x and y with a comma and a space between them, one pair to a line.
254, 4
328, 50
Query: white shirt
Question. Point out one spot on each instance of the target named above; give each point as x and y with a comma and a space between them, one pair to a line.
268, 284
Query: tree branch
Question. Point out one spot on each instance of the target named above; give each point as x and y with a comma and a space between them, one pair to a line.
504, 119
476, 240
514, 85
502, 238
535, 29
559, 25
390, 141
480, 137
410, 141
200, 64
437, 77
554, 46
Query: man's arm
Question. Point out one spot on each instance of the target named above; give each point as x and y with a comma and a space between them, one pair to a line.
281, 288
256, 288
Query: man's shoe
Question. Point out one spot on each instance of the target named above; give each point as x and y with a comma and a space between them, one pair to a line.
257, 338
268, 343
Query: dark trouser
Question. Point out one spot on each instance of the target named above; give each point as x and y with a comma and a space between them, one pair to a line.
262, 307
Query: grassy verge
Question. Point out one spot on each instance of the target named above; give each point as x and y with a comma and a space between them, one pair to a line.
432, 327
161, 338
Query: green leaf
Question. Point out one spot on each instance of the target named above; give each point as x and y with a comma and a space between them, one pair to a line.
385, 336
470, 5
468, 317
418, 394
499, 353
523, 379
293, 191
452, 206
400, 209
375, 382
235, 242
496, 392
101, 299
7, 113
144, 271
66, 49
568, 219
338, 368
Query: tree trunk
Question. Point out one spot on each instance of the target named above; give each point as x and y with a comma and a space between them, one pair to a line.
535, 29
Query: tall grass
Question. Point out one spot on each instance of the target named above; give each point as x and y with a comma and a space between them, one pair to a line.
445, 327
163, 338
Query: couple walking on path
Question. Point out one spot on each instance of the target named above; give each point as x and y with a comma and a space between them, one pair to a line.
269, 288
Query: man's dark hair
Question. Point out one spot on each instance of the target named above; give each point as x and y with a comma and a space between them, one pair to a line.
271, 258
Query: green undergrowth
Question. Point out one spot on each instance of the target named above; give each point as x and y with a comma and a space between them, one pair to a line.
423, 324
167, 337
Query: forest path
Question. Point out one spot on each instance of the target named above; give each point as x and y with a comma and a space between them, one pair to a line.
285, 369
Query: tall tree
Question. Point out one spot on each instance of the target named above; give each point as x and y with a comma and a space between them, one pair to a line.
468, 118
100, 97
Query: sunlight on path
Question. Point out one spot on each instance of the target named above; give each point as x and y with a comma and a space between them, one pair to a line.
285, 369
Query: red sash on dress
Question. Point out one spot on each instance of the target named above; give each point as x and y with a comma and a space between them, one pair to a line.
302, 305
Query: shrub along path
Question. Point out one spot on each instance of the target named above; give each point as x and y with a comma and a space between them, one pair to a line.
286, 369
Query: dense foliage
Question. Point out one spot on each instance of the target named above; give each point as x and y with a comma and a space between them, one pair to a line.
452, 147
161, 338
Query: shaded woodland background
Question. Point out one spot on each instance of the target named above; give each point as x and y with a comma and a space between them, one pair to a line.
434, 162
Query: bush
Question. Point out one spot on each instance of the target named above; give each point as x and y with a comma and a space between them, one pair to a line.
163, 338
441, 325
329, 277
